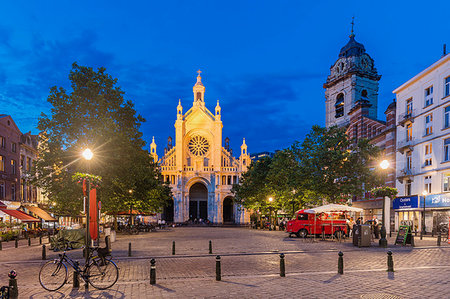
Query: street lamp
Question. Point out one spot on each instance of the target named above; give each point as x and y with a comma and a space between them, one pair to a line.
88, 154
270, 212
131, 208
383, 242
422, 231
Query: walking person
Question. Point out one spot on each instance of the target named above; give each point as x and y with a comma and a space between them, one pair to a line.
376, 228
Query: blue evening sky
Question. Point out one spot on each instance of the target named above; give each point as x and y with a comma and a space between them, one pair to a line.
266, 61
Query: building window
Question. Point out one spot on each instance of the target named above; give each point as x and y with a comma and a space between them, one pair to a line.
446, 149
364, 94
447, 182
428, 156
13, 147
2, 142
428, 124
13, 192
427, 183
409, 132
355, 133
2, 190
447, 117
339, 106
408, 188
429, 96
28, 164
447, 87
408, 160
409, 107
2, 163
13, 166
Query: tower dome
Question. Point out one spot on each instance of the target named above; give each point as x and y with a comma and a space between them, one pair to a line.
352, 48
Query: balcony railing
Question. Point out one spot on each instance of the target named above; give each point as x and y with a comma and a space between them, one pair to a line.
405, 144
405, 173
168, 168
229, 169
406, 116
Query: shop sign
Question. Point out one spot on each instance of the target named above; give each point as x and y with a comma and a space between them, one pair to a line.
407, 202
436, 201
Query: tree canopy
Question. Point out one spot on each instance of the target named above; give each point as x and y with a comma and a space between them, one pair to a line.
325, 166
95, 115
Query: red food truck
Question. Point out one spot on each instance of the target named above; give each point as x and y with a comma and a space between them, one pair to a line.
306, 223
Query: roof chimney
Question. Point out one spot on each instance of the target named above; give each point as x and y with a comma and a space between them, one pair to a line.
444, 50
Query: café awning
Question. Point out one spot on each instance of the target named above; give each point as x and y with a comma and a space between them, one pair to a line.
20, 215
41, 213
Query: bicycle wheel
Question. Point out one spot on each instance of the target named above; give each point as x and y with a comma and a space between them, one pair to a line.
53, 275
102, 274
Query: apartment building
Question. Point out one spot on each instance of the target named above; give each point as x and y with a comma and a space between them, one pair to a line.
423, 153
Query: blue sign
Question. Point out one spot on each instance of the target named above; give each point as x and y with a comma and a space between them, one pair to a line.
407, 202
436, 201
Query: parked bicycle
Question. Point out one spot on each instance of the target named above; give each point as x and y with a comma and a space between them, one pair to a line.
100, 271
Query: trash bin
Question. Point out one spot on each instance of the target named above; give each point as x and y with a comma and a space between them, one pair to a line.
361, 235
365, 236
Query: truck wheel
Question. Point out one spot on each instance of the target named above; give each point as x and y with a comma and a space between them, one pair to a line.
302, 233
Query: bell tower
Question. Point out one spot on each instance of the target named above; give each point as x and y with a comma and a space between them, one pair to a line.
199, 91
353, 80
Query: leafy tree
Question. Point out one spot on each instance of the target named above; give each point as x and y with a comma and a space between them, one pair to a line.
94, 114
336, 167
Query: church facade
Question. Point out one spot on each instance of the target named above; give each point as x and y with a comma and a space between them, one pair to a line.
200, 168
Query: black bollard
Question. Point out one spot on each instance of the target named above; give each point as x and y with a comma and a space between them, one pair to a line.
412, 241
1, 247
13, 290
173, 248
29, 241
76, 280
390, 262
44, 253
152, 271
218, 274
340, 263
16, 244
439, 239
282, 266
210, 247
129, 249
40, 240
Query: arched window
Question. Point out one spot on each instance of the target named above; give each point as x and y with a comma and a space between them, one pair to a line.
199, 96
364, 94
339, 106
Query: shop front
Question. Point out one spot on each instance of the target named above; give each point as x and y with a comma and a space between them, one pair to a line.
437, 211
407, 212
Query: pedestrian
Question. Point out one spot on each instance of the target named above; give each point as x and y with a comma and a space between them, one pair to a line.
376, 229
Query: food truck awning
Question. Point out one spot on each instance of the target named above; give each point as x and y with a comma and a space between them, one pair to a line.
332, 208
20, 215
41, 213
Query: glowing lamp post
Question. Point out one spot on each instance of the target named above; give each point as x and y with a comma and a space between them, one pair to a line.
88, 154
270, 212
383, 242
422, 231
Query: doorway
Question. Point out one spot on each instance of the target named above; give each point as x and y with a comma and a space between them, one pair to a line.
228, 210
198, 202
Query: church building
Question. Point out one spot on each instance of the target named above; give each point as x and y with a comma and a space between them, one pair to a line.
200, 168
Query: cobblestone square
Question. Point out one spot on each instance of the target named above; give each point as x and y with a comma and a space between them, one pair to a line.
250, 265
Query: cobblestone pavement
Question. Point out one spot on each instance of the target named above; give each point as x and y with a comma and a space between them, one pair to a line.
250, 267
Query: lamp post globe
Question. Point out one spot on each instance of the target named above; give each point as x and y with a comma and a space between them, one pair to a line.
87, 154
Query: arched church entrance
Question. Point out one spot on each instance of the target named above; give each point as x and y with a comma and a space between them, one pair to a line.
198, 201
169, 212
228, 210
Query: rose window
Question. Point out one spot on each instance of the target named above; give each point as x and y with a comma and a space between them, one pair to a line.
198, 145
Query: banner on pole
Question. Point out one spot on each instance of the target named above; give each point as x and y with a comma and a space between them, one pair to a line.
93, 214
